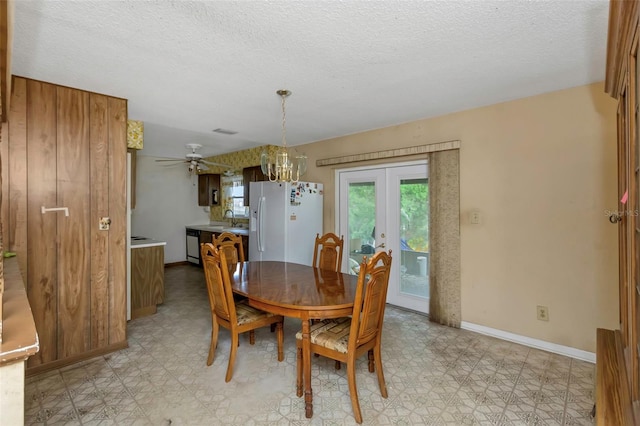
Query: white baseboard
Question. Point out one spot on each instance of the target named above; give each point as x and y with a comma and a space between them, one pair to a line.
533, 343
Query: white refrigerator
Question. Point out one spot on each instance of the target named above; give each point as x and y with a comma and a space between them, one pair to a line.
284, 220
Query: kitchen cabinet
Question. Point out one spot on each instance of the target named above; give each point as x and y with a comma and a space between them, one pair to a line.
208, 189
147, 280
251, 174
207, 237
245, 246
67, 149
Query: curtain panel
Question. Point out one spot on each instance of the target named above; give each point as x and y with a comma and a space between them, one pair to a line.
444, 237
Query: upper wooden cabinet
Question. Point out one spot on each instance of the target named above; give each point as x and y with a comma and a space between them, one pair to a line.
208, 189
251, 174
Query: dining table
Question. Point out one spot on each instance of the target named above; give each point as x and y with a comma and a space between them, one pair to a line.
298, 291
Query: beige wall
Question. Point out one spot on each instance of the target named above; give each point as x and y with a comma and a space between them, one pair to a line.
542, 172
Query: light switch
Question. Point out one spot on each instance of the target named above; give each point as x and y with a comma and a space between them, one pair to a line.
475, 218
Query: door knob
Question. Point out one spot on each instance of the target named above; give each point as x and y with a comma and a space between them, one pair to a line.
614, 218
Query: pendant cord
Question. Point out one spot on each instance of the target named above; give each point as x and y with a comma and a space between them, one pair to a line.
284, 121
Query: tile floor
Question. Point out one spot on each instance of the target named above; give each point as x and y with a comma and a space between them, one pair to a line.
435, 376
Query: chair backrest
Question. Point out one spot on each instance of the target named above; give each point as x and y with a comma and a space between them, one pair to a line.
370, 299
327, 253
231, 245
216, 274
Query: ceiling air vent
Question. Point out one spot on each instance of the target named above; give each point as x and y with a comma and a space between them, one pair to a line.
225, 131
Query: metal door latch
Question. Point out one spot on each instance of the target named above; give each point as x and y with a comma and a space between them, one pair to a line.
104, 223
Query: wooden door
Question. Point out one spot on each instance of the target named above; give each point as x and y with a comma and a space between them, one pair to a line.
621, 83
67, 150
627, 217
40, 254
633, 248
73, 232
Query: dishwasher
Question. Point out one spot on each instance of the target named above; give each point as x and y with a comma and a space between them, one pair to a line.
193, 246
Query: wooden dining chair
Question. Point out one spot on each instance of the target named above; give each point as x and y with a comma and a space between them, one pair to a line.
231, 244
346, 339
237, 317
327, 253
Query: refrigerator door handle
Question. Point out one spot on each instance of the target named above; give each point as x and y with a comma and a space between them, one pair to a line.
260, 232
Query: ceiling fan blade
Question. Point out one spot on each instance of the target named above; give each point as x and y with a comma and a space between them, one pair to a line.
211, 163
174, 160
203, 167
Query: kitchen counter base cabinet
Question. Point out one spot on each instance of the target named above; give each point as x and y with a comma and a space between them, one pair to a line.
207, 237
147, 280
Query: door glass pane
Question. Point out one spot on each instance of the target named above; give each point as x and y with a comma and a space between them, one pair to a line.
414, 237
361, 222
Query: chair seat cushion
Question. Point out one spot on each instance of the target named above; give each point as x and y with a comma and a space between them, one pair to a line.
331, 334
247, 314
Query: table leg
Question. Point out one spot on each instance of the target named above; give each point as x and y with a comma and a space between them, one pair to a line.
306, 365
299, 380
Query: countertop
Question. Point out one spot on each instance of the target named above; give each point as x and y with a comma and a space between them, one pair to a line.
218, 228
19, 336
141, 242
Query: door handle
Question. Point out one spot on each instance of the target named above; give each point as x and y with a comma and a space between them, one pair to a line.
614, 218
381, 246
43, 210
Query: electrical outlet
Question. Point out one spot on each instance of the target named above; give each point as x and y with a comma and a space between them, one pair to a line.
475, 217
543, 313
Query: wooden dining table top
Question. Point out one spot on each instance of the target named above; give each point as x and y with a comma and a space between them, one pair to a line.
294, 286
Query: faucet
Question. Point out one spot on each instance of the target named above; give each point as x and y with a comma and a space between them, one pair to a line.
232, 216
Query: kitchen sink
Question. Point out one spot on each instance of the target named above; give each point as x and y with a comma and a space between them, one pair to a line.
234, 230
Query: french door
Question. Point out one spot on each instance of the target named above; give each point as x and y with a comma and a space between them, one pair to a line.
387, 208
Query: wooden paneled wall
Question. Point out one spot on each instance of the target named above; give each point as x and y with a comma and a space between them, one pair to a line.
6, 41
67, 148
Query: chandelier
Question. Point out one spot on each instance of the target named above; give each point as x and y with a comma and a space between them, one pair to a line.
283, 166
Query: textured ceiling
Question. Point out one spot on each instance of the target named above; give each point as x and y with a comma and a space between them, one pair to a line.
190, 67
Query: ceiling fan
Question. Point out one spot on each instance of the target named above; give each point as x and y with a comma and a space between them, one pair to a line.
195, 161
